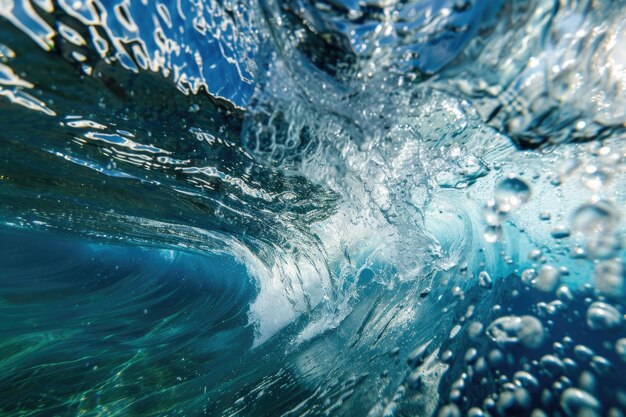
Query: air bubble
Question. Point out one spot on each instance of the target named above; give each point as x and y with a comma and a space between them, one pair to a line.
526, 380
416, 357
595, 178
511, 193
564, 294
471, 355
525, 330
620, 349
547, 279
574, 401
513, 402
598, 223
552, 365
601, 316
492, 234
475, 329
484, 280
601, 365
545, 216
560, 232
609, 278
475, 412
449, 410
595, 218
587, 381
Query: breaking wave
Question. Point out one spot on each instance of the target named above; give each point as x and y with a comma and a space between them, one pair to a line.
320, 207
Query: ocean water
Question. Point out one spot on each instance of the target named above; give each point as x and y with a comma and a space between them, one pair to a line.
312, 208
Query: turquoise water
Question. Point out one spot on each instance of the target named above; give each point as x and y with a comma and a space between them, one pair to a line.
302, 208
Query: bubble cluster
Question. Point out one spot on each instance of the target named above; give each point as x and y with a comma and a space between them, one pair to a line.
536, 359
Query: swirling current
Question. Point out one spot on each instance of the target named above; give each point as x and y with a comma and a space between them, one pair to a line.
312, 208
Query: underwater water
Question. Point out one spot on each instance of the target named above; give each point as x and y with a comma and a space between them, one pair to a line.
312, 208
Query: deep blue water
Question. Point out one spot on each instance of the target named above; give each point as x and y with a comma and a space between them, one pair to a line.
312, 208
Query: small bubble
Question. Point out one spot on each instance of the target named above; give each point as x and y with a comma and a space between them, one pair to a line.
447, 356
609, 278
492, 234
475, 329
475, 412
511, 193
545, 216
552, 365
528, 275
449, 410
602, 316
525, 330
471, 355
593, 218
560, 232
587, 381
564, 294
600, 365
484, 280
526, 380
574, 400
595, 178
547, 279
583, 353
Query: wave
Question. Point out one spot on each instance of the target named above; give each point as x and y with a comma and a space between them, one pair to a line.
350, 179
